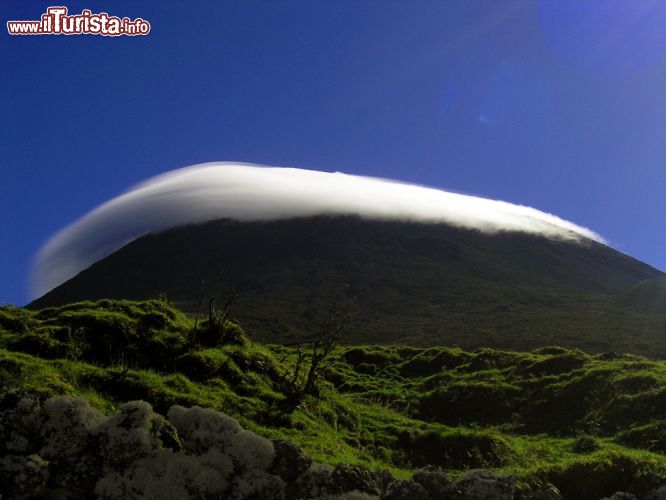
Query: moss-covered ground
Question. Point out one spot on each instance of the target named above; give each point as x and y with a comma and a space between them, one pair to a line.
588, 424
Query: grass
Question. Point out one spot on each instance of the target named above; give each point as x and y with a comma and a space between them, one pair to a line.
589, 424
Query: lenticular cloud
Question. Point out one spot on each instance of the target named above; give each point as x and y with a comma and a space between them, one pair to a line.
250, 192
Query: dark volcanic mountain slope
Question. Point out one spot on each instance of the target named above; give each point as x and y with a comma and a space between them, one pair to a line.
403, 282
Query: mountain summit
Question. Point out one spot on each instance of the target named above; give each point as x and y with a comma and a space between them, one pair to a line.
246, 192
401, 282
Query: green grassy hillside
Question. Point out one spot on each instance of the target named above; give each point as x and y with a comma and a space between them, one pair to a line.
405, 283
588, 424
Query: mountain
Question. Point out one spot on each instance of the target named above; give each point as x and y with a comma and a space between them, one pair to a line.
401, 282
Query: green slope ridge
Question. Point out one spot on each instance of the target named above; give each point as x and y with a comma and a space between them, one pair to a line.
406, 283
589, 424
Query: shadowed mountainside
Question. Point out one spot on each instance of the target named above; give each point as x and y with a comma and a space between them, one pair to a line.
421, 284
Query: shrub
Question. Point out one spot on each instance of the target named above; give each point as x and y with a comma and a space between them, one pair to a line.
562, 408
366, 368
635, 383
551, 350
44, 344
603, 475
555, 364
153, 320
144, 334
457, 450
481, 402
201, 364
433, 361
585, 444
378, 356
489, 359
208, 363
15, 319
218, 335
256, 361
159, 348
104, 336
628, 410
650, 437
234, 335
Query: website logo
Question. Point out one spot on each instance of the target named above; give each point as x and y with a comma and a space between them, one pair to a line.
57, 21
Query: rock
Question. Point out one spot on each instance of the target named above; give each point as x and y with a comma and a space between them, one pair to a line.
202, 429
20, 423
405, 490
24, 476
547, 492
69, 435
346, 478
312, 483
165, 475
63, 447
257, 484
351, 495
130, 434
325, 481
484, 485
290, 461
658, 494
435, 481
621, 495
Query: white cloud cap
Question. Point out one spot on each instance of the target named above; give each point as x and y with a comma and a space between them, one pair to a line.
250, 192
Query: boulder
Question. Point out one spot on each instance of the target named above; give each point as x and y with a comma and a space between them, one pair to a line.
405, 490
435, 482
483, 484
290, 461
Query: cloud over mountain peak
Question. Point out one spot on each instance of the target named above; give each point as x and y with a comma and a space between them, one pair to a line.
247, 192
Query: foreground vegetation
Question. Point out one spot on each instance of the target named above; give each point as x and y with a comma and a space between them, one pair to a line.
587, 425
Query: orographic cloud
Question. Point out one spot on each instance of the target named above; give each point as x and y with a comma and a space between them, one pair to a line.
250, 192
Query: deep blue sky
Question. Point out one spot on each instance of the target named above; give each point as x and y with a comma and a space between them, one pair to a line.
558, 105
